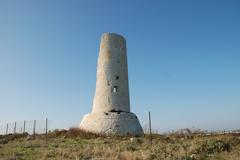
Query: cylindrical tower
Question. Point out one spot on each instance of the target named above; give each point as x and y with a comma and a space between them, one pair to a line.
111, 107
112, 93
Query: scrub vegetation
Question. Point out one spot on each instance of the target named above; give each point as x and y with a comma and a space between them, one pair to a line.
75, 144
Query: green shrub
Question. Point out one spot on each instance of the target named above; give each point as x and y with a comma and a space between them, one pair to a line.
10, 137
213, 146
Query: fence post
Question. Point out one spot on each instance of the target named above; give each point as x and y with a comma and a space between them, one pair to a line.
150, 127
7, 129
24, 125
46, 130
15, 127
34, 128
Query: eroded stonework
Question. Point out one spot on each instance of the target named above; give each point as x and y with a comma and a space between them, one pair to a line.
123, 123
111, 105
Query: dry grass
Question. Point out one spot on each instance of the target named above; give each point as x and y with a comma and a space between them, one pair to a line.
73, 132
74, 144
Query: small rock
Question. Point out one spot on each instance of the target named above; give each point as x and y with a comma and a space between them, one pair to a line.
29, 138
193, 156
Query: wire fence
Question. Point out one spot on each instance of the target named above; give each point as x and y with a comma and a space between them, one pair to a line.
43, 126
30, 126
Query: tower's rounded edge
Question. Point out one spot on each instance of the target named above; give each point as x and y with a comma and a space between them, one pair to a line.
112, 123
109, 36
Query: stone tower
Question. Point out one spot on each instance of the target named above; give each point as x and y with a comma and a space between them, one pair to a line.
111, 106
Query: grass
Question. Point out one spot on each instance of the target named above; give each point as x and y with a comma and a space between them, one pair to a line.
75, 144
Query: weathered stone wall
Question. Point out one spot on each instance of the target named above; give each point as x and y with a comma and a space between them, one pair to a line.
123, 123
112, 93
111, 107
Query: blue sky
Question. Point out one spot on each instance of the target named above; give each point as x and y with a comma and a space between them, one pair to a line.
183, 56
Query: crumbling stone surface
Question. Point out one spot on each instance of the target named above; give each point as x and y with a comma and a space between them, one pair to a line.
111, 105
123, 123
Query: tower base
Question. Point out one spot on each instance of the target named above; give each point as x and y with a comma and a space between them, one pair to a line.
113, 123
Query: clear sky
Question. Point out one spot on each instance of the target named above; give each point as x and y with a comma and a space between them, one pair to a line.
183, 56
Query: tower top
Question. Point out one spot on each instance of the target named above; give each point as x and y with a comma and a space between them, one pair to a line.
109, 34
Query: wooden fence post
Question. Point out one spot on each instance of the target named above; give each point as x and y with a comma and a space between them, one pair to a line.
15, 128
7, 129
150, 127
46, 130
24, 125
34, 128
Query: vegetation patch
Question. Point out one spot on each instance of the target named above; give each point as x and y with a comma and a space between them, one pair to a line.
75, 144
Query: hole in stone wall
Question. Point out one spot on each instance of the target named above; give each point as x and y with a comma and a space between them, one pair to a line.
116, 77
118, 111
115, 89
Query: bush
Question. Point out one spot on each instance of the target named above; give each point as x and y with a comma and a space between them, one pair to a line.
213, 146
10, 137
74, 132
